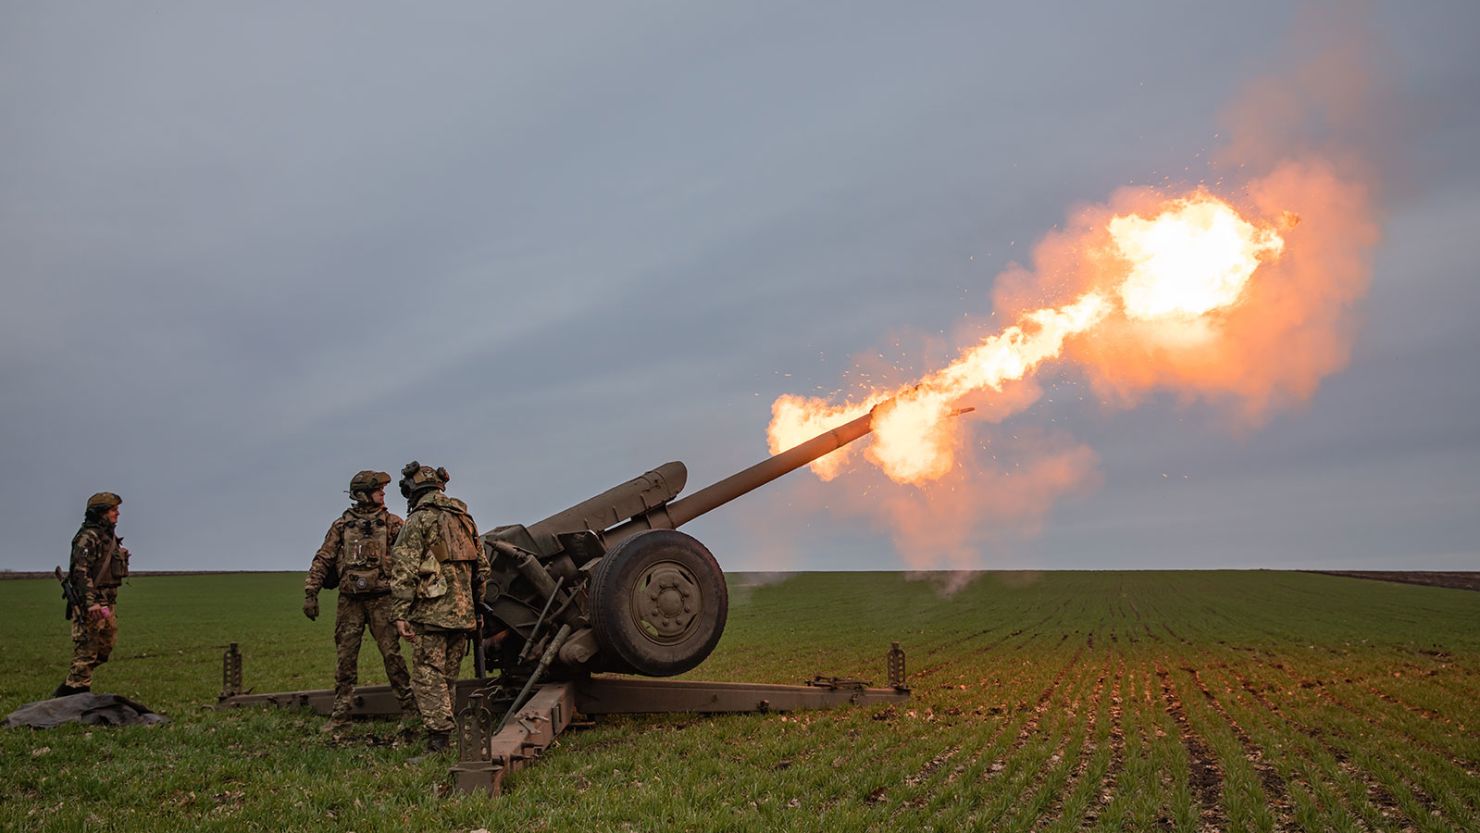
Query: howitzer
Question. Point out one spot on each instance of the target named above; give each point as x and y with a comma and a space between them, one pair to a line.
76, 607
612, 584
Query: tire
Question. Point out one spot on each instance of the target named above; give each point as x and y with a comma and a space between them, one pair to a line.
658, 604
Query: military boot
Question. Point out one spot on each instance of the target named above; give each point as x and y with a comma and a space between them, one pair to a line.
437, 741
65, 690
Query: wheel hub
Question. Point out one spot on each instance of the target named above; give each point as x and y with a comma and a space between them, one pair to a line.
666, 601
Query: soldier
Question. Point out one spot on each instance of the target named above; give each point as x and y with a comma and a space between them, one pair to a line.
357, 551
438, 572
99, 565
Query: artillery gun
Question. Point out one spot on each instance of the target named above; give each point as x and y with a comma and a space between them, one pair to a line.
610, 584
606, 585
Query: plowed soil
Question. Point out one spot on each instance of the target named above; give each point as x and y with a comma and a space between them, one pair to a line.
1053, 702
1459, 580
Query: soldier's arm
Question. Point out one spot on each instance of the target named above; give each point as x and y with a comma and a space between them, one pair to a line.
85, 553
405, 558
324, 558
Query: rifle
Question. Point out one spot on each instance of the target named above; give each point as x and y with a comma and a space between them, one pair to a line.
75, 606
480, 660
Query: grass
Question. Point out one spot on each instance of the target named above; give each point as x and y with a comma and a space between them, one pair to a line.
1258, 701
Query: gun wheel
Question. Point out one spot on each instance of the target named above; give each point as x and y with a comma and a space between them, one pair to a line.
658, 603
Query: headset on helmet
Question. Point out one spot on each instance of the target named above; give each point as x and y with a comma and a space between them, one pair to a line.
416, 478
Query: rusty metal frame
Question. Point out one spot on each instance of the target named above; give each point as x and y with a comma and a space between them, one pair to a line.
484, 759
487, 754
640, 695
369, 700
601, 694
614, 695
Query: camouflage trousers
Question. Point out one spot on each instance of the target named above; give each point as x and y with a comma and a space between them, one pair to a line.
92, 642
351, 618
434, 667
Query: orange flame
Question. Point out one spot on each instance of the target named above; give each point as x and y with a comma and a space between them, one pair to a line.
1191, 259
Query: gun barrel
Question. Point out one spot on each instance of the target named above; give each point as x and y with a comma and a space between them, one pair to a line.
674, 514
711, 497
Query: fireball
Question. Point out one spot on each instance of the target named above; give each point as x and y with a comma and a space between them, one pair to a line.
1191, 259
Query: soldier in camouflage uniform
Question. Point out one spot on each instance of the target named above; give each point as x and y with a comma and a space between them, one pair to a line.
99, 565
357, 551
438, 572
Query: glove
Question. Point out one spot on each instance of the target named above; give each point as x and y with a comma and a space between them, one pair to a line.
311, 605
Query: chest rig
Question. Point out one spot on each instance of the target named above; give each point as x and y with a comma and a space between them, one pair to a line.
364, 554
109, 564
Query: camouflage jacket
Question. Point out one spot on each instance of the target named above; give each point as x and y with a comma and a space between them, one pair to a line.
438, 566
99, 562
357, 545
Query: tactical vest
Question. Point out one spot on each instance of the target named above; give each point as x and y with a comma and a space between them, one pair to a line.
110, 567
364, 565
457, 538
454, 539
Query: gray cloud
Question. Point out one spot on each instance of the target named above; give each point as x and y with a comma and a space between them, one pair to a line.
248, 252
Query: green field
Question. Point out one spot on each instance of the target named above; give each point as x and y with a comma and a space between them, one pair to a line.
1044, 702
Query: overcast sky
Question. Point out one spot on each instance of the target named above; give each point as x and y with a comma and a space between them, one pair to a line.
250, 249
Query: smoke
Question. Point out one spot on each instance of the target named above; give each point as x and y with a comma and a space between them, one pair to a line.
742, 585
999, 495
1325, 100
996, 498
1304, 142
1293, 326
1300, 157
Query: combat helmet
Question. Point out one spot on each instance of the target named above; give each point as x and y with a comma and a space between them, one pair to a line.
368, 481
416, 478
103, 501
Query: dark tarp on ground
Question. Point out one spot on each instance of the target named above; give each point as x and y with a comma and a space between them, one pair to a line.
93, 709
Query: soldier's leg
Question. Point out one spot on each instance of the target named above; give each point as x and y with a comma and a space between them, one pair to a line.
429, 680
84, 654
457, 648
456, 645
349, 628
425, 668
389, 642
